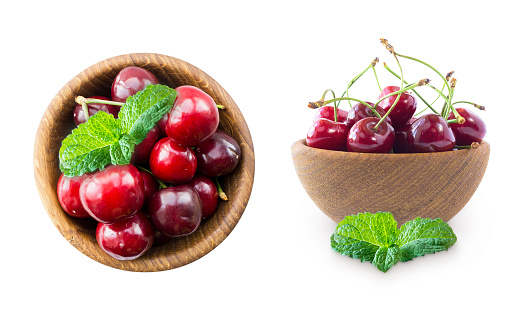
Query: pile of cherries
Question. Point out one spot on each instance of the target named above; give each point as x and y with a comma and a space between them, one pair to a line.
171, 184
392, 125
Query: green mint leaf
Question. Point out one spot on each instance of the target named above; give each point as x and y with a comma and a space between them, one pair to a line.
140, 112
87, 147
122, 150
423, 235
386, 257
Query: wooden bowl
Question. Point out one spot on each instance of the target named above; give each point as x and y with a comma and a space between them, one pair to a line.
57, 123
433, 185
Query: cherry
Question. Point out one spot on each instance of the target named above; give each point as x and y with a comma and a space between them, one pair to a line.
217, 155
360, 111
129, 81
161, 124
151, 185
401, 136
327, 134
171, 162
194, 116
126, 239
175, 211
430, 133
143, 150
472, 130
208, 194
161, 238
404, 108
68, 195
113, 193
327, 112
363, 138
79, 114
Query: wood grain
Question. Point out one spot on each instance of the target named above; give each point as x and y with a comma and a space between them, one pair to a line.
433, 185
57, 123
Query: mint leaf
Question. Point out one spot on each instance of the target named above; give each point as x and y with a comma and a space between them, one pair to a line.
386, 257
122, 150
423, 235
143, 110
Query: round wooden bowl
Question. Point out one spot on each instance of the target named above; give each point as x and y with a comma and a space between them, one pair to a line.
433, 185
57, 123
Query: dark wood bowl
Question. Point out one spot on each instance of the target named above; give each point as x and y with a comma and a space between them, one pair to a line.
57, 123
433, 185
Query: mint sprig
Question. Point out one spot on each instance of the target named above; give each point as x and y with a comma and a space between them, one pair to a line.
104, 140
376, 238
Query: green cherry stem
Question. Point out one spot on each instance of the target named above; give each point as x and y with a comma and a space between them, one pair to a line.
84, 106
376, 76
373, 63
161, 184
80, 100
220, 107
323, 103
221, 193
471, 103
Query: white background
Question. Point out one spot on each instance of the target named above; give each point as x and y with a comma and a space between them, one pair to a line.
273, 57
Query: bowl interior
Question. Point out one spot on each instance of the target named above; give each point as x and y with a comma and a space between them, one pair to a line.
57, 123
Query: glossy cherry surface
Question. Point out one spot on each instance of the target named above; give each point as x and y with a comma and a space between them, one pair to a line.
113, 193
193, 117
327, 112
401, 136
217, 155
472, 130
404, 109
364, 139
151, 185
143, 150
129, 81
175, 211
430, 133
327, 134
360, 111
171, 162
79, 114
68, 195
208, 194
128, 238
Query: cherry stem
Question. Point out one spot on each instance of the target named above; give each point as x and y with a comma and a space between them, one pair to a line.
220, 107
473, 145
80, 100
373, 63
376, 76
460, 120
221, 193
85, 110
349, 99
471, 103
161, 184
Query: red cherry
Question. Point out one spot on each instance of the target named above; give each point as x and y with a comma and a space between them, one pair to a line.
171, 162
401, 136
472, 130
129, 81
79, 114
151, 185
208, 194
194, 116
217, 155
430, 133
68, 195
143, 150
360, 111
327, 112
364, 139
327, 134
404, 108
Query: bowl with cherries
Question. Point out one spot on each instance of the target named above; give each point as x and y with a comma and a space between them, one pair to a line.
399, 152
144, 162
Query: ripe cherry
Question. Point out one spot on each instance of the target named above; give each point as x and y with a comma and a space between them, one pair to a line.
363, 138
208, 194
403, 110
151, 185
472, 130
327, 112
143, 150
171, 162
79, 114
68, 195
126, 239
360, 111
327, 134
401, 136
217, 155
129, 81
430, 133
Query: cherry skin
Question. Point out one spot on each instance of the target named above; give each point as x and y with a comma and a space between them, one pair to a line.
113, 193
430, 133
175, 211
360, 111
68, 195
161, 124
208, 194
327, 112
151, 185
401, 136
171, 162
79, 114
217, 155
129, 81
143, 150
404, 109
193, 118
327, 134
472, 130
364, 139
126, 239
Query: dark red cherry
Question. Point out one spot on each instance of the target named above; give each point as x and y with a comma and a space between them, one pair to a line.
404, 109
364, 139
208, 194
327, 112
360, 111
129, 81
430, 133
327, 134
472, 130
113, 193
68, 195
143, 150
161, 238
401, 136
171, 162
126, 239
175, 211
217, 155
151, 185
79, 114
